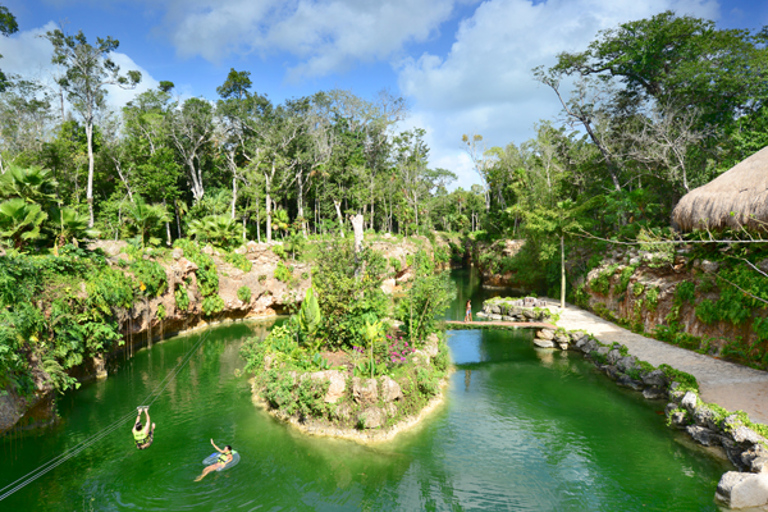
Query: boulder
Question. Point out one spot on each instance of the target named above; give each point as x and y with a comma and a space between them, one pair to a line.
704, 417
390, 390
544, 343
744, 435
589, 346
364, 390
755, 459
743, 490
337, 387
629, 382
676, 416
372, 417
703, 435
545, 334
689, 401
653, 393
561, 337
655, 379
625, 364
613, 356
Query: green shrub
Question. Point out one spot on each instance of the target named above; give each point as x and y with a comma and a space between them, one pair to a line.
244, 294
652, 298
150, 276
239, 261
283, 273
686, 381
212, 304
182, 298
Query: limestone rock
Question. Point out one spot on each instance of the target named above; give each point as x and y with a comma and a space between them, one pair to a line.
653, 393
390, 409
390, 390
343, 412
432, 345
756, 459
704, 417
676, 416
628, 382
626, 363
703, 435
372, 417
689, 401
589, 346
177, 253
743, 490
364, 391
613, 356
337, 387
546, 334
561, 337
655, 379
602, 351
544, 343
742, 434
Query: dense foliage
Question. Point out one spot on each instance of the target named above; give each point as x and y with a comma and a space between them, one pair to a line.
58, 311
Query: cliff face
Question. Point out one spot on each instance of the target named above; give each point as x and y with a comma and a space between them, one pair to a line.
150, 320
161, 317
492, 260
679, 299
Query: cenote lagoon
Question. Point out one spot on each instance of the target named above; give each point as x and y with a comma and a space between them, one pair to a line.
520, 429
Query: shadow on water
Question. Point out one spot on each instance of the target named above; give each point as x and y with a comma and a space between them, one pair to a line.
520, 429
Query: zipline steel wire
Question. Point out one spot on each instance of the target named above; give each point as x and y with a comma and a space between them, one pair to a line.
61, 459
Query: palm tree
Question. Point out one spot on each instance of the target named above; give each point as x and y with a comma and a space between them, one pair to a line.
281, 221
20, 222
145, 217
33, 184
220, 230
72, 224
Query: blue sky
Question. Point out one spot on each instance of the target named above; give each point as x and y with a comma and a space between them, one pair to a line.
462, 65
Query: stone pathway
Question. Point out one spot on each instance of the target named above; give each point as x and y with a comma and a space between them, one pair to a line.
729, 385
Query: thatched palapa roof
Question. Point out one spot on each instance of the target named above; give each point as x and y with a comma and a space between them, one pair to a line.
735, 199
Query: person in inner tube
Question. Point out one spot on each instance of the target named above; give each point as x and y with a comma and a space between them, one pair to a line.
225, 457
143, 435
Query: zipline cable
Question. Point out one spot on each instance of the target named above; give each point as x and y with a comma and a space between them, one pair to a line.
60, 459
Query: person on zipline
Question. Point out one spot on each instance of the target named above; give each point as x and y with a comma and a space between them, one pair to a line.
225, 457
143, 434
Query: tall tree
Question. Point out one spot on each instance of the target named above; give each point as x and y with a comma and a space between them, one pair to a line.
88, 70
8, 26
191, 129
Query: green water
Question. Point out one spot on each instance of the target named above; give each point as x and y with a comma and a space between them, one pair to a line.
520, 430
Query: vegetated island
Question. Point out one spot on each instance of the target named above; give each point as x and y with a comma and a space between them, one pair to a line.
353, 363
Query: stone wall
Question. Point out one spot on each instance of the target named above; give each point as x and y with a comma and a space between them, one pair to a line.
639, 289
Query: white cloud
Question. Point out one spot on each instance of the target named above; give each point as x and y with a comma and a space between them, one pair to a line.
325, 35
484, 84
28, 54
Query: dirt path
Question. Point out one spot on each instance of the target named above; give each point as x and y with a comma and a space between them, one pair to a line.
729, 385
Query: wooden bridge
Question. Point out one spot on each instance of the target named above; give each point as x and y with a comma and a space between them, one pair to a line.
496, 324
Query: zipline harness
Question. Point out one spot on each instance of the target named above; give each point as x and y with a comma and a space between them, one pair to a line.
117, 424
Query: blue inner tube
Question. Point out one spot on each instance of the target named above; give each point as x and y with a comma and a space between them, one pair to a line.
214, 457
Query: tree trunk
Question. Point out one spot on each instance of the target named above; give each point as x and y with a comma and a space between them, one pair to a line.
89, 189
337, 205
562, 271
268, 200
234, 194
357, 227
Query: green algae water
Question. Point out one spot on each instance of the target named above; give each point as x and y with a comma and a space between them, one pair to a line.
520, 429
